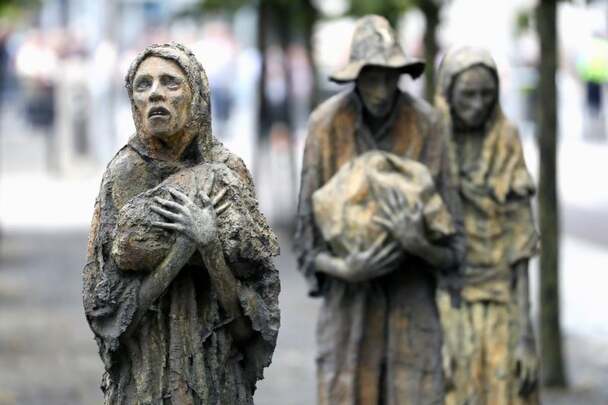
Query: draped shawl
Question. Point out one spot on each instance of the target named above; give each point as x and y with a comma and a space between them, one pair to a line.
496, 189
180, 351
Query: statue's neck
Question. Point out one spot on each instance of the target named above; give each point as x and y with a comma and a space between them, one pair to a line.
170, 148
374, 122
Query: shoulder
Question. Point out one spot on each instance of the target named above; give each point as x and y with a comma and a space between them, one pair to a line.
124, 163
329, 110
425, 113
221, 154
126, 175
509, 135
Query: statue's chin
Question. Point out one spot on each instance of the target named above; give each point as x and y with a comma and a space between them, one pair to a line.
161, 133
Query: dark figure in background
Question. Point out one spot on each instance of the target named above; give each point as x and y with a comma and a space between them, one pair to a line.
489, 339
379, 336
179, 287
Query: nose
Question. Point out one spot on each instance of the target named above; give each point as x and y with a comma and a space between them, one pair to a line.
156, 93
477, 101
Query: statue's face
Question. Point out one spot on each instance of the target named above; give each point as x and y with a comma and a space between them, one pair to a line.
377, 87
473, 96
162, 97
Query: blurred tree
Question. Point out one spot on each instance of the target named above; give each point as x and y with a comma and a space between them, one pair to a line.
553, 370
282, 21
392, 10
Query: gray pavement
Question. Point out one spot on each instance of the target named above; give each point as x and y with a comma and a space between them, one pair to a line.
48, 355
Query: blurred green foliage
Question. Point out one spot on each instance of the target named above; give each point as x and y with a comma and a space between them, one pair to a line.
390, 9
16, 8
300, 14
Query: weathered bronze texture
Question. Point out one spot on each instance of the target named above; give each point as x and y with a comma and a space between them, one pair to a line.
179, 287
378, 336
489, 342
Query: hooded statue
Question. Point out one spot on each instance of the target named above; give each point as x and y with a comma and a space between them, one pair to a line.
485, 336
378, 335
178, 348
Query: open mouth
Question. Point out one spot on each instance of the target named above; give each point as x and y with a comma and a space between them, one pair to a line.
158, 112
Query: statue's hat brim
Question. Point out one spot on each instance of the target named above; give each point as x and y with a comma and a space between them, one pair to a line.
350, 72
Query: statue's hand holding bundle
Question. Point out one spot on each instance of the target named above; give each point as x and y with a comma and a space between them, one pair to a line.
379, 199
203, 202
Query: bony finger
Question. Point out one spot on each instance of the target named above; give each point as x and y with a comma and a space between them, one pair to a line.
386, 250
359, 243
169, 225
375, 247
208, 187
390, 261
218, 197
417, 211
388, 225
169, 204
401, 200
167, 214
394, 199
183, 198
219, 210
386, 209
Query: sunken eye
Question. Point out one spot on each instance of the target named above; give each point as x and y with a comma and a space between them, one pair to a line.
172, 82
143, 83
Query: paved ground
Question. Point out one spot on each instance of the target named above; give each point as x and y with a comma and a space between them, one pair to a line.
48, 355
47, 352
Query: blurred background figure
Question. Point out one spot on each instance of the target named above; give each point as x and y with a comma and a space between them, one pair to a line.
64, 113
592, 66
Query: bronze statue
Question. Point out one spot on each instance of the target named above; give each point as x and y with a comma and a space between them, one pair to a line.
379, 336
179, 287
489, 339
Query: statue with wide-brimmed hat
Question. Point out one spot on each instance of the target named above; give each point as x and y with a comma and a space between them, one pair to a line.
378, 336
375, 43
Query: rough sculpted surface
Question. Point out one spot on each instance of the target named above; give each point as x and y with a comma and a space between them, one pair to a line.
489, 339
179, 286
378, 335
345, 206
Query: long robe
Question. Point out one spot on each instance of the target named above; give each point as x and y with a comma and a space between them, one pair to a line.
496, 190
379, 341
181, 351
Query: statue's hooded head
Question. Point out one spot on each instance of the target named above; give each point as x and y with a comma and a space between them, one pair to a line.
469, 87
169, 94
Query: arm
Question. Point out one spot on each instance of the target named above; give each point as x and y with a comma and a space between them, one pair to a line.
523, 299
526, 362
199, 224
226, 286
159, 280
435, 255
308, 242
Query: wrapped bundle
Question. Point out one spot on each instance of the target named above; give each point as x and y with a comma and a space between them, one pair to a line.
345, 206
243, 232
